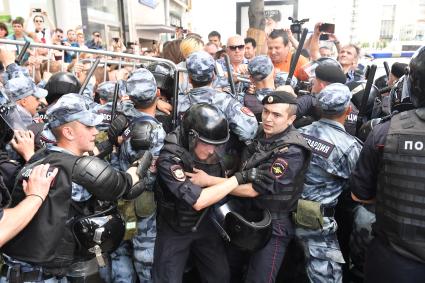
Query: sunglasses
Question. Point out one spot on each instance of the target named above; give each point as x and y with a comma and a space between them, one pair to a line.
39, 21
234, 47
97, 35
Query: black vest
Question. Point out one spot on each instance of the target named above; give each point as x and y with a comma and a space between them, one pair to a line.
178, 214
400, 204
284, 202
48, 240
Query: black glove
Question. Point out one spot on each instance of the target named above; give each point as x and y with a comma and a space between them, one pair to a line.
143, 163
260, 177
117, 127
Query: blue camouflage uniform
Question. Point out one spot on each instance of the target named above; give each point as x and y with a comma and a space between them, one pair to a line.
21, 87
259, 68
335, 153
70, 107
105, 91
361, 236
141, 88
280, 80
242, 121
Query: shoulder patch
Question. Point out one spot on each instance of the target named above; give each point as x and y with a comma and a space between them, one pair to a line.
279, 167
246, 111
178, 173
319, 147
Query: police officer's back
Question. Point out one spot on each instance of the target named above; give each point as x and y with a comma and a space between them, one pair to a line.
389, 172
335, 153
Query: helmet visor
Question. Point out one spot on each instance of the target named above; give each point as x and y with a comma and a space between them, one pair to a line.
10, 114
205, 152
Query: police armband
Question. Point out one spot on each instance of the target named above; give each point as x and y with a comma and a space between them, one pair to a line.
141, 135
99, 178
139, 187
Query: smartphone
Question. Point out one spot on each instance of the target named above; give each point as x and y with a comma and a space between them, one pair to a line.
115, 39
324, 36
36, 10
328, 28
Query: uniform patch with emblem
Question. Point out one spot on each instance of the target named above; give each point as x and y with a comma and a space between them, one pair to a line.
270, 99
279, 167
246, 111
178, 173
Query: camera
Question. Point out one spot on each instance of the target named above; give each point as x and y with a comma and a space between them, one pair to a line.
297, 25
115, 39
328, 28
36, 10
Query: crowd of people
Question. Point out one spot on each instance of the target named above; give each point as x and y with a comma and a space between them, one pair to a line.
250, 176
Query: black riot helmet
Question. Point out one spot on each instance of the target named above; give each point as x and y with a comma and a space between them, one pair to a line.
357, 90
416, 78
99, 232
61, 83
164, 76
206, 123
245, 227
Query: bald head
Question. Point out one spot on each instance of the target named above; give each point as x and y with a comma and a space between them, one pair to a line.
236, 49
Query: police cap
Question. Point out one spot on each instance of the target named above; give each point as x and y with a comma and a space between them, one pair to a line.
279, 97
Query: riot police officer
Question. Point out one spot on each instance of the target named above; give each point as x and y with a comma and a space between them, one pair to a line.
73, 228
13, 220
389, 172
144, 132
280, 149
335, 153
200, 66
183, 223
260, 69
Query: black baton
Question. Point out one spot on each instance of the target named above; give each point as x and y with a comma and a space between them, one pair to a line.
89, 74
294, 60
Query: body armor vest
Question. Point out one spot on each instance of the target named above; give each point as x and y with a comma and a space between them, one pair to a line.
284, 202
400, 212
48, 240
178, 214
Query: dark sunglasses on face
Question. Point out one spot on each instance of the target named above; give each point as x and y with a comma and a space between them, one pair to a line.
97, 35
234, 47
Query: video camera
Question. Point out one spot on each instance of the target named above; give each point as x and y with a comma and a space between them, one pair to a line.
297, 24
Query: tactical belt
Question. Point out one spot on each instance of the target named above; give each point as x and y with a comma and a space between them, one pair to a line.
16, 275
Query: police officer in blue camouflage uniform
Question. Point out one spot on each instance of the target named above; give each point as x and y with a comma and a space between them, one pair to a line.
280, 80
144, 132
105, 93
389, 174
335, 153
59, 244
260, 69
27, 96
200, 66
